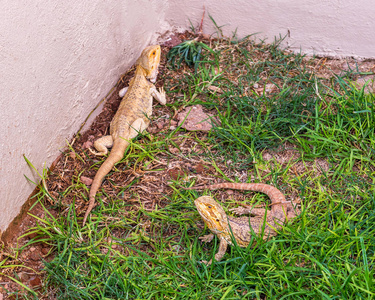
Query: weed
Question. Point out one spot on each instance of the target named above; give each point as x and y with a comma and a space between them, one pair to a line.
189, 51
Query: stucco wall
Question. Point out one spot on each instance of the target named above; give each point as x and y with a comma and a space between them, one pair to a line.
59, 58
335, 28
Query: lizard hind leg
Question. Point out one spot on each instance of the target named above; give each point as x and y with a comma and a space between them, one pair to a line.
245, 210
102, 145
138, 126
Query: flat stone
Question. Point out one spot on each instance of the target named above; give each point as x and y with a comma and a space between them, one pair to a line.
193, 118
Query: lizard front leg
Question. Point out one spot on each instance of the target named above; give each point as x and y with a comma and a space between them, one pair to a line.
123, 91
160, 95
102, 145
219, 255
207, 238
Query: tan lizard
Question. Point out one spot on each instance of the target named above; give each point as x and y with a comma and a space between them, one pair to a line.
223, 226
131, 118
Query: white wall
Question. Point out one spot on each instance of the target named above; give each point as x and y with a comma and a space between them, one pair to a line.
59, 58
326, 27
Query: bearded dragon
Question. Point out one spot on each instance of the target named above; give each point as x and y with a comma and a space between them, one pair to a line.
131, 118
227, 228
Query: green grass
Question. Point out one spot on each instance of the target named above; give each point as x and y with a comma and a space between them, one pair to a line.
327, 253
129, 252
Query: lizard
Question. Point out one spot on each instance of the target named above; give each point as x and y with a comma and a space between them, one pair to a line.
223, 226
131, 118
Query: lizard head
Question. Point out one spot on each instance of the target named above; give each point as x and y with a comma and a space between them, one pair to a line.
149, 61
212, 214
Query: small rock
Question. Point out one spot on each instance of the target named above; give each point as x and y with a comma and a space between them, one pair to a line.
215, 89
23, 276
193, 118
152, 129
86, 180
45, 250
229, 192
72, 154
33, 235
32, 249
111, 242
104, 250
199, 168
206, 36
48, 258
173, 125
266, 156
34, 256
35, 281
173, 150
175, 173
269, 87
172, 41
160, 124
87, 144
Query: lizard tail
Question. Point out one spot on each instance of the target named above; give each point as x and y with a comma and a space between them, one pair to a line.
278, 200
114, 157
273, 193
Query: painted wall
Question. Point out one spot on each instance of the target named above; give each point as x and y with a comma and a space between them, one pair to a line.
59, 58
324, 27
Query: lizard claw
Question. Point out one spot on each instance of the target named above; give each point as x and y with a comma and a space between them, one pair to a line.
96, 153
207, 238
237, 210
163, 96
205, 262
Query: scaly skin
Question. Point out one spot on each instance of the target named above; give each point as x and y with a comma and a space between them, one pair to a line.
131, 118
228, 227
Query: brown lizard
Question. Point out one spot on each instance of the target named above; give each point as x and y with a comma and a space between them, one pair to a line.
224, 226
131, 118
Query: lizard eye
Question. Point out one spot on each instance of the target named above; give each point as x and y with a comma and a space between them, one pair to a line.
209, 206
153, 53
217, 220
